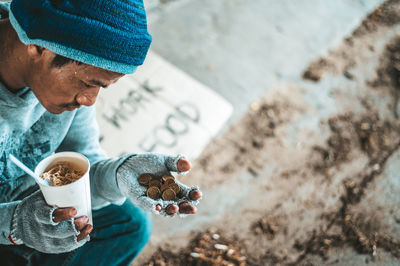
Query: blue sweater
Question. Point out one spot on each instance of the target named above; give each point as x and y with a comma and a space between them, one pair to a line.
31, 133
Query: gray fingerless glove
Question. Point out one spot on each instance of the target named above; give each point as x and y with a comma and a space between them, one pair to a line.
33, 226
155, 164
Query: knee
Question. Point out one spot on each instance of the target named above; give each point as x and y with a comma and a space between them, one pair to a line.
135, 232
121, 232
130, 228
143, 228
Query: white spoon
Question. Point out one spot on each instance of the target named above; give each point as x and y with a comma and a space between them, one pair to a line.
28, 171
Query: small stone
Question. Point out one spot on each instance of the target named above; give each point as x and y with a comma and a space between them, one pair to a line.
365, 126
256, 143
195, 254
285, 174
271, 124
270, 113
254, 106
221, 247
312, 75
215, 236
376, 167
284, 252
348, 75
230, 252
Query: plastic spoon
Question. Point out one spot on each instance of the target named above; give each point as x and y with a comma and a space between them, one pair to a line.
28, 171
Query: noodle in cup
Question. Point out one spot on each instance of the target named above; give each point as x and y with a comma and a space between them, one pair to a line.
74, 189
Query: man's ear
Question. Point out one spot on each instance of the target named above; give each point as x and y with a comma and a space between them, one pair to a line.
34, 50
38, 53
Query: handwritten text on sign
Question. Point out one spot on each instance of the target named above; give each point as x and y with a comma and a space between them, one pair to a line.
159, 110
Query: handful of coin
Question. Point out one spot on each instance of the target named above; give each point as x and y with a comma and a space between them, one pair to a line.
163, 187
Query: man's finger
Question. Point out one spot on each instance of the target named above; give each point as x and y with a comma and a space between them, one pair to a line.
195, 194
158, 207
184, 165
85, 232
81, 222
63, 214
187, 208
171, 209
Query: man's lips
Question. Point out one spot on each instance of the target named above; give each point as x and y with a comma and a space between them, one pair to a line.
71, 108
68, 107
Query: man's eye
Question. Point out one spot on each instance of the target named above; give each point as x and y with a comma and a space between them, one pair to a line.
87, 85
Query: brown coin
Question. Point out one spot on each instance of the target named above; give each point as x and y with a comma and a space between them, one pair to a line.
155, 178
153, 193
164, 187
144, 179
155, 183
175, 188
170, 181
167, 177
168, 194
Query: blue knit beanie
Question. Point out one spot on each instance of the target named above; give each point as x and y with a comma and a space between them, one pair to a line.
110, 34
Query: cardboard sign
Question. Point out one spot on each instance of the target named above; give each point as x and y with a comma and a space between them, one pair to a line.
159, 109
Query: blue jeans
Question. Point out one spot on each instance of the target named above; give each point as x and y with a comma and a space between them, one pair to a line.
119, 234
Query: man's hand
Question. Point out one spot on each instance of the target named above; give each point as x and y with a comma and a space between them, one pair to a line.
157, 165
47, 229
185, 208
81, 223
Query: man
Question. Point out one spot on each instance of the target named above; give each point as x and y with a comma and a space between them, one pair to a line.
55, 57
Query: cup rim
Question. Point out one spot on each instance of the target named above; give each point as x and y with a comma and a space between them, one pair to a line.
66, 154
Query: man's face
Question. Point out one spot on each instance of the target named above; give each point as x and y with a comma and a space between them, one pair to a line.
70, 86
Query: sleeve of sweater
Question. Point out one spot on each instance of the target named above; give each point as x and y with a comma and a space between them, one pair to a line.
83, 137
7, 212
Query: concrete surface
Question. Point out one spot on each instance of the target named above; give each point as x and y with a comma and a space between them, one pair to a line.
242, 49
254, 53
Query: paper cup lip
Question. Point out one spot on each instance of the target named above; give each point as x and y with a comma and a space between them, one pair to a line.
43, 164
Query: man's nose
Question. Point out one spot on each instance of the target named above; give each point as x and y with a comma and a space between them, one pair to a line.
88, 98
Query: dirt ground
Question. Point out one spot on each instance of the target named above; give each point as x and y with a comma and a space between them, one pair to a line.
309, 175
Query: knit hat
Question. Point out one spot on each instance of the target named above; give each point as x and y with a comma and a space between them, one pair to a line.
110, 34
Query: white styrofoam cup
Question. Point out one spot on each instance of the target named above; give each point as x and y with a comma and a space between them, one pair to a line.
75, 194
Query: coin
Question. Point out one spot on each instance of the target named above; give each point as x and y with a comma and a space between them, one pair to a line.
164, 187
170, 181
144, 179
175, 188
153, 193
168, 194
167, 177
155, 178
155, 183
